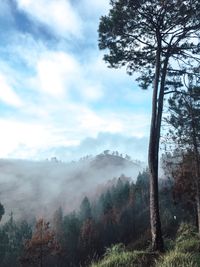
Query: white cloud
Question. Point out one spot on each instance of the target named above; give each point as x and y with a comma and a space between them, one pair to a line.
91, 122
58, 15
92, 92
56, 72
7, 95
17, 135
80, 121
14, 133
59, 72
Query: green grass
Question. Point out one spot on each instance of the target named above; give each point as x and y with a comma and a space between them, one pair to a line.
177, 259
116, 256
189, 245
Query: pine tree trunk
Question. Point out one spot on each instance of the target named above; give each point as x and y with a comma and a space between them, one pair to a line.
157, 241
156, 233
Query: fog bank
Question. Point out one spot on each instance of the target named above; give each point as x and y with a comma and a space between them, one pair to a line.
30, 188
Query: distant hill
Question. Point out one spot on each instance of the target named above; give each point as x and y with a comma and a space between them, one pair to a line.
113, 160
31, 188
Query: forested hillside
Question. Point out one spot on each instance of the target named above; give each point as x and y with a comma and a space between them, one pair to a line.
118, 215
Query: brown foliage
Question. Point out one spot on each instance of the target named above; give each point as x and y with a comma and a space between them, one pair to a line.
41, 245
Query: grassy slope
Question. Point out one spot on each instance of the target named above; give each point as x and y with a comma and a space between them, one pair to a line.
183, 252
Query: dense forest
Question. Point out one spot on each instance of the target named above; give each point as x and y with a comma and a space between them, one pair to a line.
119, 215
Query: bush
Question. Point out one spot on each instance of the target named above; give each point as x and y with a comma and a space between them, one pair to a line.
177, 259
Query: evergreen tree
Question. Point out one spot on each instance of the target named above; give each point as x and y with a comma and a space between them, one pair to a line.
58, 224
89, 241
147, 36
13, 244
142, 187
85, 209
120, 194
125, 226
13, 236
107, 202
2, 211
4, 243
72, 226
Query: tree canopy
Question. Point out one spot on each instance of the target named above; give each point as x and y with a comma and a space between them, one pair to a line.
133, 30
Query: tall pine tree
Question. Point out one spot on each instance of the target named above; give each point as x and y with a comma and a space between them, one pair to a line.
147, 37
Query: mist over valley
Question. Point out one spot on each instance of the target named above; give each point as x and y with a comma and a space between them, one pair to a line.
38, 188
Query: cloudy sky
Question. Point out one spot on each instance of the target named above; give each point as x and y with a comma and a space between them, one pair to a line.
57, 96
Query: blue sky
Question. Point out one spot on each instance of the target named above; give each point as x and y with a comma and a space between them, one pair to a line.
57, 96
